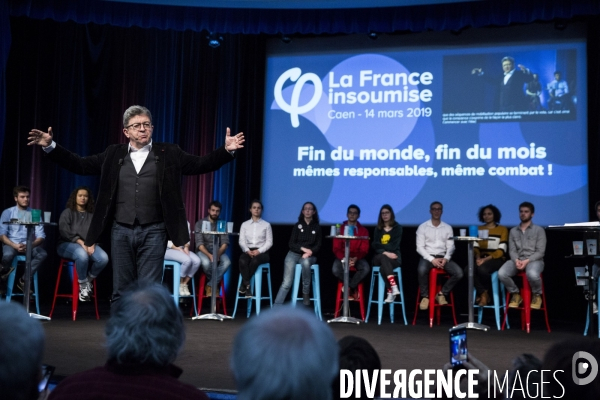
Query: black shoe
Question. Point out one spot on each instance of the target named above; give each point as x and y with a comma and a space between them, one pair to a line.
21, 285
242, 290
248, 292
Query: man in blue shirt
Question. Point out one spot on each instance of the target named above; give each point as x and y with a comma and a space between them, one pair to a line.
14, 237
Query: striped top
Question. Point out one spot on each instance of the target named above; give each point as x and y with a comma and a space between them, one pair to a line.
495, 248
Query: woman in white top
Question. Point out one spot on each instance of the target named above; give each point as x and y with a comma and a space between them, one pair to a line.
189, 261
256, 238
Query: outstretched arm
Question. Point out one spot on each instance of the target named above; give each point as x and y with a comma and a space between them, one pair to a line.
89, 165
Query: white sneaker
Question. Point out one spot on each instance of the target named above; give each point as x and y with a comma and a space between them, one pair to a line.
390, 297
595, 307
395, 290
183, 290
84, 292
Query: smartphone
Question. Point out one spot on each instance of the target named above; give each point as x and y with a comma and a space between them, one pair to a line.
458, 345
47, 371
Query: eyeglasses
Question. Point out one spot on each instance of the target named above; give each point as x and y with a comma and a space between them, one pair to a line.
436, 208
138, 126
353, 212
385, 212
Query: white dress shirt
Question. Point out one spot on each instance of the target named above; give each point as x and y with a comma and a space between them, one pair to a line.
435, 240
138, 157
256, 234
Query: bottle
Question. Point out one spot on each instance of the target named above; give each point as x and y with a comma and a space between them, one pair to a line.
337, 229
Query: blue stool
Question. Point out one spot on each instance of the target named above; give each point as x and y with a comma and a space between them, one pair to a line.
256, 283
11, 281
587, 320
498, 302
176, 267
380, 294
316, 286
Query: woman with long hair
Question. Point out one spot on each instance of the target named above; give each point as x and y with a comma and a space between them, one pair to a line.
304, 243
386, 244
73, 226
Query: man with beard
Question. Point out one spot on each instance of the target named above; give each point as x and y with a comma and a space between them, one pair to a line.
526, 246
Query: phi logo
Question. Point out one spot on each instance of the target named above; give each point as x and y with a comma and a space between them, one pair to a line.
584, 363
294, 108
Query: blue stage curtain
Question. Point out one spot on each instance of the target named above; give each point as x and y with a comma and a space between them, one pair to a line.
253, 21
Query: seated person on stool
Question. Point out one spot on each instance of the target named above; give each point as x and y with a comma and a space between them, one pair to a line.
386, 244
189, 261
558, 90
304, 243
435, 246
14, 237
73, 226
526, 246
256, 238
204, 243
489, 254
358, 251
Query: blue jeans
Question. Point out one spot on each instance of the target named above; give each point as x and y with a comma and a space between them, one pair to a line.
362, 270
38, 255
207, 267
75, 252
289, 265
138, 252
532, 270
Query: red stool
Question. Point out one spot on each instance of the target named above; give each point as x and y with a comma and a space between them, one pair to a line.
201, 296
526, 305
434, 288
339, 298
74, 295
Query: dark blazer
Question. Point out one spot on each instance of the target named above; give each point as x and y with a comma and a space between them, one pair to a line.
172, 163
512, 95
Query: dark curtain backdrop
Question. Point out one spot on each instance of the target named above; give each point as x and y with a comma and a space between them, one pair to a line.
79, 79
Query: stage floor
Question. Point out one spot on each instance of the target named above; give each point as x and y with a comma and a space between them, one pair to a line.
76, 346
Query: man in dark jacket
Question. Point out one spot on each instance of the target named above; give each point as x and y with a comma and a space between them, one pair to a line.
510, 85
140, 196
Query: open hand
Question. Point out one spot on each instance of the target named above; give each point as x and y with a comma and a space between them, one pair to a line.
40, 138
233, 143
